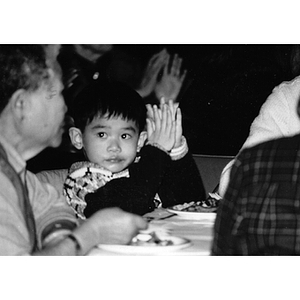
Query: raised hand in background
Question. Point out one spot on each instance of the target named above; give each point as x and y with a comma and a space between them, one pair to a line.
149, 80
172, 79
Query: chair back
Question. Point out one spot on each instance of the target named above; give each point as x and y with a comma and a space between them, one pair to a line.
210, 168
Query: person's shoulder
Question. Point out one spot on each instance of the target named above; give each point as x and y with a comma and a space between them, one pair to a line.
285, 94
287, 144
289, 85
280, 145
54, 177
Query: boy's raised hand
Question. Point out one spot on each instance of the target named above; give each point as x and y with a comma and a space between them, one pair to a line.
176, 117
161, 127
178, 128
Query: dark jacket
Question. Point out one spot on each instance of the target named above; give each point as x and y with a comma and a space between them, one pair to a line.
175, 181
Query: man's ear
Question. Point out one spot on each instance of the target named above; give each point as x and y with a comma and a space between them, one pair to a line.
141, 141
19, 102
76, 137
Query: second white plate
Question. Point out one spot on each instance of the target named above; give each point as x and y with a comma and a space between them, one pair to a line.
177, 244
193, 215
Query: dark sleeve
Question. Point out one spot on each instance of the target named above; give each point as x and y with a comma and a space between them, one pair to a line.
224, 241
136, 193
182, 182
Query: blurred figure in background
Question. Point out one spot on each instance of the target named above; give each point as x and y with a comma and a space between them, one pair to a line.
85, 63
52, 51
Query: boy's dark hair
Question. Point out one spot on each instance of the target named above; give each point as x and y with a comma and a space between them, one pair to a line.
111, 99
21, 67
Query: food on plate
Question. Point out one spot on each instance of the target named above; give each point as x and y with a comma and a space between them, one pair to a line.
193, 207
149, 243
209, 205
150, 239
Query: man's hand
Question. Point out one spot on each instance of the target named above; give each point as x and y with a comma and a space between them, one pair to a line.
109, 226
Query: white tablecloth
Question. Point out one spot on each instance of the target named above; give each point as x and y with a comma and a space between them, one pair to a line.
198, 231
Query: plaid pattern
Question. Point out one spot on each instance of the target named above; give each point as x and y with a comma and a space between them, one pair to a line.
260, 212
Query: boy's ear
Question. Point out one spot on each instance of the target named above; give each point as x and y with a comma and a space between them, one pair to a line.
141, 141
76, 137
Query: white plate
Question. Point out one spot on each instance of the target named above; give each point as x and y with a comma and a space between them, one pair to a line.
192, 214
178, 243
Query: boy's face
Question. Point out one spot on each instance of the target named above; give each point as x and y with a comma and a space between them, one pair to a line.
111, 143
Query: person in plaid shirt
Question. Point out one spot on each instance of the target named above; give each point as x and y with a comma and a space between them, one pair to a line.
260, 212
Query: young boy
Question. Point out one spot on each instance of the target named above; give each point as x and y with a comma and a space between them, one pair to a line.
128, 167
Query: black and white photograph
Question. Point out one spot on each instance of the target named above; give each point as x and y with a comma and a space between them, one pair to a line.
149, 143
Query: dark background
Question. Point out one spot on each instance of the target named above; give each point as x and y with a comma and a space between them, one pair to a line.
224, 88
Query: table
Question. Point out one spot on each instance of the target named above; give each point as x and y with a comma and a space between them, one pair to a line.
199, 232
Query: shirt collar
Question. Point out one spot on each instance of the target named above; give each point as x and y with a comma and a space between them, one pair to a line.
15, 159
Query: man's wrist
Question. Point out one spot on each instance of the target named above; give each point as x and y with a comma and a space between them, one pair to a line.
78, 248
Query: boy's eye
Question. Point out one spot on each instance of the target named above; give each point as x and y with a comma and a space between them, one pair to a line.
102, 134
126, 136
